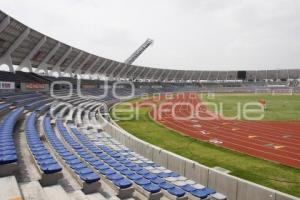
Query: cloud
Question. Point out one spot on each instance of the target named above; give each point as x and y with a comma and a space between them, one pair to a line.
194, 34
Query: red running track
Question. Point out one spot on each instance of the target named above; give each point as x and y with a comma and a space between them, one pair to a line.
275, 141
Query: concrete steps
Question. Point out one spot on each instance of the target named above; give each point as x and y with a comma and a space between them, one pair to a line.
79, 195
96, 196
9, 188
56, 192
33, 191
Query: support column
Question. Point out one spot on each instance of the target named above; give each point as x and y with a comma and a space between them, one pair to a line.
57, 66
43, 65
88, 70
26, 63
6, 58
78, 70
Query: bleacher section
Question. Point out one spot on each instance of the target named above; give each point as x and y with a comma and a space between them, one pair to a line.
94, 160
53, 146
68, 146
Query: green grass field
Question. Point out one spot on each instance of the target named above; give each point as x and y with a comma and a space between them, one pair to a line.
276, 176
279, 108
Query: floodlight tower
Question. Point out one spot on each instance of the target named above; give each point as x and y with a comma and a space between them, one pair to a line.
139, 51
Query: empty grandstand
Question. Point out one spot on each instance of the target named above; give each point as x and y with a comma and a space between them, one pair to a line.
57, 140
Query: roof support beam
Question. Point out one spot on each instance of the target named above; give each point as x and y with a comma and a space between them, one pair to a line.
191, 76
161, 74
88, 70
226, 75
182, 78
146, 73
209, 73
138, 76
78, 70
199, 79
101, 66
218, 76
26, 63
136, 68
43, 65
155, 72
120, 72
176, 75
6, 58
127, 71
146, 76
113, 71
4, 23
110, 66
166, 79
57, 66
69, 68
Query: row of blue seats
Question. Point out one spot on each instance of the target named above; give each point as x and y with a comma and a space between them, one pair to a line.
37, 104
13, 93
160, 179
28, 100
115, 164
43, 108
8, 152
138, 173
42, 156
17, 97
74, 163
4, 106
119, 181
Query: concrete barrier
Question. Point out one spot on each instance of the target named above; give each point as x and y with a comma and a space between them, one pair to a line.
175, 163
202, 176
248, 191
226, 185
234, 188
160, 156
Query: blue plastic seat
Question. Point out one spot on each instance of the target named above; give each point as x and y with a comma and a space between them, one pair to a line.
134, 177
78, 166
113, 177
46, 161
107, 172
8, 151
136, 168
121, 168
122, 183
152, 188
84, 170
150, 176
176, 191
166, 185
188, 188
96, 163
90, 178
6, 159
50, 168
142, 181
142, 172
158, 180
199, 193
102, 167
127, 172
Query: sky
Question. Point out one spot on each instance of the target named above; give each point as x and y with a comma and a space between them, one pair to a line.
188, 34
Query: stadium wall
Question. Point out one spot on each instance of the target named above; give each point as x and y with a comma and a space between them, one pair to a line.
234, 188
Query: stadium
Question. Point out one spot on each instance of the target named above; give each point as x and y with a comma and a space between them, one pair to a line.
79, 126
